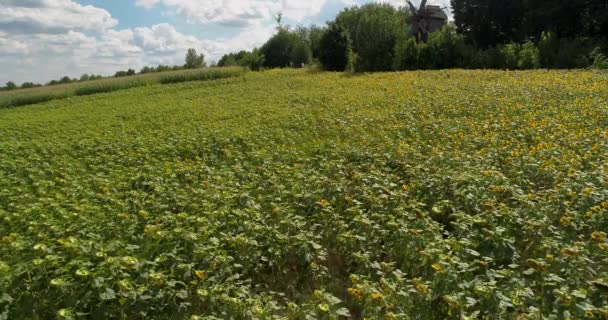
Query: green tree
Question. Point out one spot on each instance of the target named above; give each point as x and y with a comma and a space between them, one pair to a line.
487, 23
285, 49
300, 54
529, 57
10, 86
407, 55
312, 37
374, 30
253, 60
194, 60
334, 48
27, 85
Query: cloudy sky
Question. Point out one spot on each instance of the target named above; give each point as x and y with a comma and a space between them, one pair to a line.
42, 40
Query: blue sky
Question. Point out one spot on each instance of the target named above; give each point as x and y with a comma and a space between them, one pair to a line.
42, 40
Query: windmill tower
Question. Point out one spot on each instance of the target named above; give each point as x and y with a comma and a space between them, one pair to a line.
426, 19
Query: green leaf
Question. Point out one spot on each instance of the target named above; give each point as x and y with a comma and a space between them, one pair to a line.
343, 312
109, 294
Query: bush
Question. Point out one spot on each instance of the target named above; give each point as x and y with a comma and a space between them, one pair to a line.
407, 55
31, 99
375, 30
208, 74
300, 55
108, 87
573, 53
334, 49
10, 86
510, 53
547, 49
253, 60
490, 58
28, 85
528, 57
598, 59
447, 49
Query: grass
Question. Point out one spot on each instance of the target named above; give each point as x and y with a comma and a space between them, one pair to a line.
296, 195
37, 95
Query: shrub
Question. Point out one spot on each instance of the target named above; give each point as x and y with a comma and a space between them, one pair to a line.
407, 55
447, 49
598, 59
510, 53
31, 99
300, 54
547, 49
28, 85
334, 49
253, 60
528, 57
208, 74
573, 53
10, 86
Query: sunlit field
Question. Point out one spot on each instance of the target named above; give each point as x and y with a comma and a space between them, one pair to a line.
301, 195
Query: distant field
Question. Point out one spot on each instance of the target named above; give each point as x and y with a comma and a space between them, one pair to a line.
21, 97
299, 195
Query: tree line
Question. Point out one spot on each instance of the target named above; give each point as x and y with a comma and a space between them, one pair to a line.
498, 34
513, 34
193, 60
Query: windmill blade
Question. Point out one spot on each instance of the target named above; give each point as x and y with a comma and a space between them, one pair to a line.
422, 5
412, 7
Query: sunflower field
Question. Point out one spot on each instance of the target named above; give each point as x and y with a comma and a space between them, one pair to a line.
293, 194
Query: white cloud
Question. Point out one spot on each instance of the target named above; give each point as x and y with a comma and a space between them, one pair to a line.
41, 40
51, 56
148, 4
239, 13
52, 16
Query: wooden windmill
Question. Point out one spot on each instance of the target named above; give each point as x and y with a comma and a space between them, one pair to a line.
426, 19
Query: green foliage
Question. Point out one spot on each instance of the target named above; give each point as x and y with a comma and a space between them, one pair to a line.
10, 86
29, 85
334, 49
311, 36
598, 59
447, 49
451, 194
548, 47
300, 55
129, 72
407, 55
43, 94
208, 74
518, 56
374, 30
510, 52
109, 86
285, 49
489, 23
253, 60
528, 56
194, 60
27, 99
